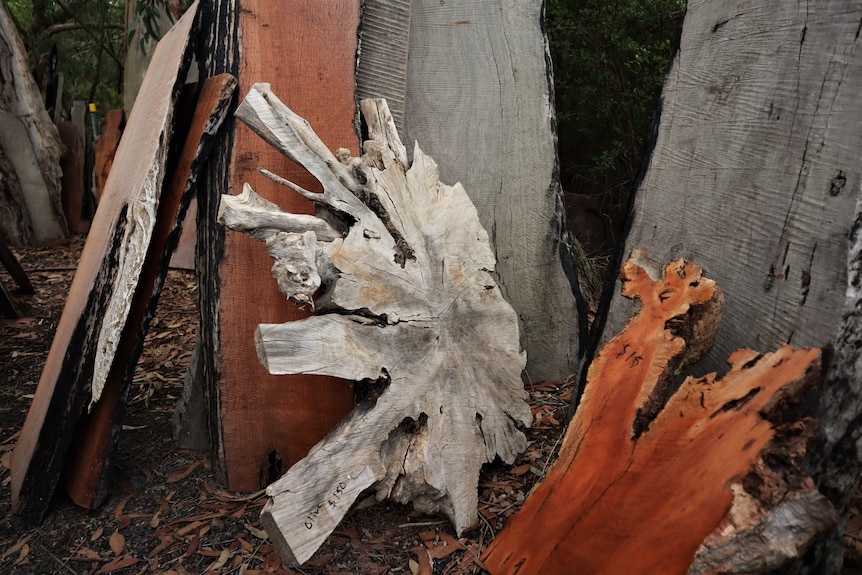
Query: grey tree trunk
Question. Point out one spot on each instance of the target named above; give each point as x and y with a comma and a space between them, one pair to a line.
755, 175
480, 100
140, 51
30, 150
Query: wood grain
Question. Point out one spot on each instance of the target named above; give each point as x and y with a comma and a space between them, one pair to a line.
267, 423
755, 172
650, 479
479, 101
405, 298
115, 248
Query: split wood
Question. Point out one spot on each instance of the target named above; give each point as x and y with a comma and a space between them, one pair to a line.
707, 478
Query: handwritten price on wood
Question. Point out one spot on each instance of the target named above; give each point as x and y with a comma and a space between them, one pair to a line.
333, 500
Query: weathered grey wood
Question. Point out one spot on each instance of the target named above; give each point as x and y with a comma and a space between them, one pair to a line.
479, 99
835, 454
31, 147
406, 298
755, 171
755, 174
381, 72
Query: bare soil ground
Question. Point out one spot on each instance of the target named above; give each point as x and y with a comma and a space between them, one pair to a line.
168, 514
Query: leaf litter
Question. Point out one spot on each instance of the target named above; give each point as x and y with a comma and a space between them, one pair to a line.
167, 514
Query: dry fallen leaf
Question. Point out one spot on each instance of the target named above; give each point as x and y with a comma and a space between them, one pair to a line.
117, 542
221, 561
87, 553
15, 547
117, 564
22, 557
424, 566
182, 473
259, 533
97, 533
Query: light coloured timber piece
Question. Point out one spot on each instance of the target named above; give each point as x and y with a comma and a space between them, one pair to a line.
407, 298
707, 478
480, 100
755, 171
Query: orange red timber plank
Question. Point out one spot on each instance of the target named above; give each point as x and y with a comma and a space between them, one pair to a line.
648, 474
86, 473
307, 52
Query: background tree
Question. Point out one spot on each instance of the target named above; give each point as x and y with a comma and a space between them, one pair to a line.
89, 41
609, 60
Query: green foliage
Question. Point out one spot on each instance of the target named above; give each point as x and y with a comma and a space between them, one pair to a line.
89, 36
152, 18
609, 63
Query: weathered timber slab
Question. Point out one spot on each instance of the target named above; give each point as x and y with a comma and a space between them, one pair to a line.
405, 298
261, 423
87, 471
835, 453
479, 98
100, 296
707, 478
754, 173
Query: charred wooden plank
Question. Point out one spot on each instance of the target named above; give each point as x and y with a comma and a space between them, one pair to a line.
86, 474
88, 334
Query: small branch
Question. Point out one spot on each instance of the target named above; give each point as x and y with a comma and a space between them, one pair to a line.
71, 26
248, 212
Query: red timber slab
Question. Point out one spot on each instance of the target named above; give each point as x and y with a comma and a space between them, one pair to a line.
307, 52
651, 478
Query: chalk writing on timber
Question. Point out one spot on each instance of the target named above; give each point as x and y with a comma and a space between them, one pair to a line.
333, 500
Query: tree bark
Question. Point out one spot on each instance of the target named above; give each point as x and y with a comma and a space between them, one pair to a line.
30, 150
406, 298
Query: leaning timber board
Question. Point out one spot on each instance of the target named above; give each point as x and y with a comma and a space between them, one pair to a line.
479, 102
755, 168
108, 271
87, 470
306, 51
